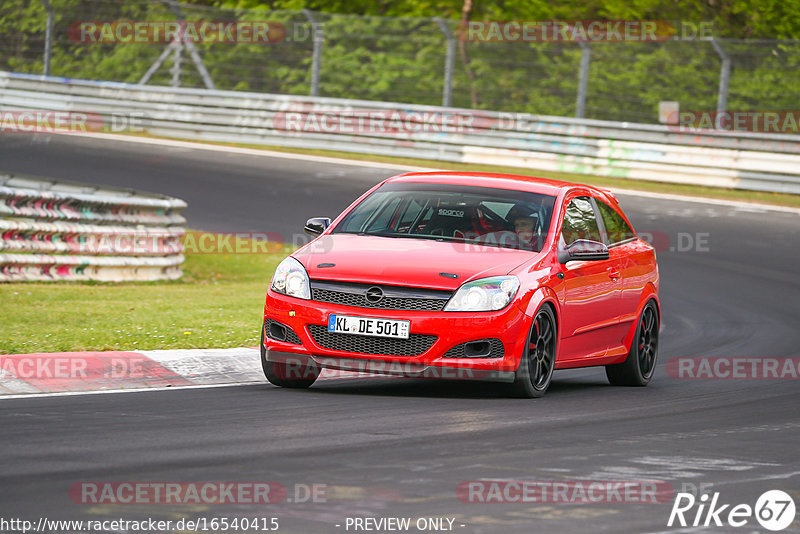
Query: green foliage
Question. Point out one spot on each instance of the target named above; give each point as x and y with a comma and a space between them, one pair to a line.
393, 51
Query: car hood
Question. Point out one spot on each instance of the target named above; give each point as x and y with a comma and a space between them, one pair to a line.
404, 261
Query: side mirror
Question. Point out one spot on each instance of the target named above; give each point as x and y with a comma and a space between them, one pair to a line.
583, 250
317, 225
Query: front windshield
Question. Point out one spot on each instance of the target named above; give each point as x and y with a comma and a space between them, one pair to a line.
489, 216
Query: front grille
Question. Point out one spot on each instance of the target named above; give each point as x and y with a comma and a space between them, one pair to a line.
495, 349
394, 297
415, 345
291, 337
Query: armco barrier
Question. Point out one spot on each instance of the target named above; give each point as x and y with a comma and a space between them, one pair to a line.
55, 230
743, 160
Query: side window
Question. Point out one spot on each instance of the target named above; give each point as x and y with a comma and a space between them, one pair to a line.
580, 222
616, 227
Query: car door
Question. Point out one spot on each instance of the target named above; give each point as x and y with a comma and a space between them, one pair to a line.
633, 261
591, 289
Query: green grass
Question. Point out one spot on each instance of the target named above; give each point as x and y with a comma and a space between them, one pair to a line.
761, 197
218, 303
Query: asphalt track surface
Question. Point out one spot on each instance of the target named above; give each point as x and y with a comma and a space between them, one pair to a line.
398, 447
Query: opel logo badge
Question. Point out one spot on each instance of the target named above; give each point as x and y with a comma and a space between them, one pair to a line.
374, 294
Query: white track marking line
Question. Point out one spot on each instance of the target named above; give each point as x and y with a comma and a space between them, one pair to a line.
248, 151
136, 390
702, 200
360, 163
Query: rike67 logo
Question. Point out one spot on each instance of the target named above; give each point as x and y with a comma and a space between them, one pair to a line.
774, 510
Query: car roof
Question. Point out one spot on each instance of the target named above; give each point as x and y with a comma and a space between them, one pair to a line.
505, 181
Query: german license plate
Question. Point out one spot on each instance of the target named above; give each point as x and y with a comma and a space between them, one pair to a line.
368, 326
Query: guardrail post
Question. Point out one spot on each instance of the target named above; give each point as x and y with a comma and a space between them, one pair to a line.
48, 36
724, 75
318, 37
449, 61
583, 79
193, 53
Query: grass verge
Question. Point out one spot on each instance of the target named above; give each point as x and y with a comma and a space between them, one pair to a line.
217, 304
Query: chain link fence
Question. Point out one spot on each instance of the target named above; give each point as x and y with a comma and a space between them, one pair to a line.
411, 60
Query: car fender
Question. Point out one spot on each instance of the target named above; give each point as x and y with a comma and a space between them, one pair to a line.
650, 293
542, 295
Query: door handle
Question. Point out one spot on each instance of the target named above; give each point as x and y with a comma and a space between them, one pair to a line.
613, 274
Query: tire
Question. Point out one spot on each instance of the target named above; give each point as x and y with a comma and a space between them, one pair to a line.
638, 367
538, 360
278, 374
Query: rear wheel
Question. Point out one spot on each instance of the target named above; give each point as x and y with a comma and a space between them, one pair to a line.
637, 369
536, 366
299, 374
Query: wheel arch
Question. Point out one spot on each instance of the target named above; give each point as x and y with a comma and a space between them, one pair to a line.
543, 296
650, 294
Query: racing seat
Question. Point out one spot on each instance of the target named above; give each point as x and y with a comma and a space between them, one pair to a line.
452, 221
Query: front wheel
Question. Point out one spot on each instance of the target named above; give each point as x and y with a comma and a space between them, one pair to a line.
637, 369
288, 374
538, 361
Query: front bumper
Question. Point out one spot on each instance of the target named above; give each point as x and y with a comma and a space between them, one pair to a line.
509, 325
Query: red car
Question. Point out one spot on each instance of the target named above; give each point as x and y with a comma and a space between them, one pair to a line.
470, 276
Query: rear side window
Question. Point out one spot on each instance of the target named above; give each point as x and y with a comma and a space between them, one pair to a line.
580, 221
616, 227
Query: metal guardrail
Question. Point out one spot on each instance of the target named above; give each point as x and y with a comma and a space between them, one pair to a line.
55, 230
741, 160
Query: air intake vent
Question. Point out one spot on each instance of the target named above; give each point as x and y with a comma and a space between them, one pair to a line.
280, 332
481, 348
415, 345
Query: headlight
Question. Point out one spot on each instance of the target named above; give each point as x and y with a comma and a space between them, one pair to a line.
486, 294
291, 279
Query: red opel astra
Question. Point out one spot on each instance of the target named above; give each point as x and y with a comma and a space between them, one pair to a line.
469, 276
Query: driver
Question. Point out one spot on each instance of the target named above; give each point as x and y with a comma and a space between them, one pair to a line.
526, 225
525, 228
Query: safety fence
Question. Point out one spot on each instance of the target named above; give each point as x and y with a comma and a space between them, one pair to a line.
55, 230
476, 63
730, 159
